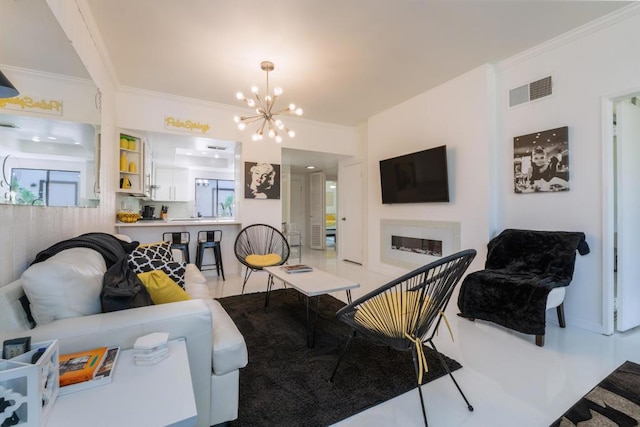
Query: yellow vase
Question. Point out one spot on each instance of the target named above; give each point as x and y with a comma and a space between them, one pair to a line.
124, 143
132, 167
123, 162
132, 145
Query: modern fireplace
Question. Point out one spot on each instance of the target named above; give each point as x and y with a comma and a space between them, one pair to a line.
417, 245
414, 243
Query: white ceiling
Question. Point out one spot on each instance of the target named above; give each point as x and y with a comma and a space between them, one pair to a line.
341, 61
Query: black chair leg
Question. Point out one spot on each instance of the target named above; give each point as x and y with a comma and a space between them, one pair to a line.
560, 311
540, 340
344, 350
446, 368
416, 366
247, 273
217, 251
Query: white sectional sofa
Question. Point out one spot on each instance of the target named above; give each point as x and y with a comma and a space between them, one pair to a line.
216, 348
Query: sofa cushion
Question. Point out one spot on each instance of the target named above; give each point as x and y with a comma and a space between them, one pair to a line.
13, 317
159, 250
67, 284
162, 288
173, 269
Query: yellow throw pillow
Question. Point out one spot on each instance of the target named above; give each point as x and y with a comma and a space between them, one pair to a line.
263, 260
162, 288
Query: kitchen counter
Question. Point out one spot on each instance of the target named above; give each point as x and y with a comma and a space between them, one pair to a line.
150, 231
178, 221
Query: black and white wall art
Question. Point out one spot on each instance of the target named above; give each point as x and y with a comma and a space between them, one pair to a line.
262, 180
541, 161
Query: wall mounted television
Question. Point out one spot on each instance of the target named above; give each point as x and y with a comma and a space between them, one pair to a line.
415, 178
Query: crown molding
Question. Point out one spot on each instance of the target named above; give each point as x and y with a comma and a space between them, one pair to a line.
210, 104
47, 75
599, 24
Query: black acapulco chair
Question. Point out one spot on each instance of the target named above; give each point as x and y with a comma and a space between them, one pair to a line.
405, 313
258, 246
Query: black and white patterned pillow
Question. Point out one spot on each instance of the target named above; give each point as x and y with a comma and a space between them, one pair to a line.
160, 250
173, 269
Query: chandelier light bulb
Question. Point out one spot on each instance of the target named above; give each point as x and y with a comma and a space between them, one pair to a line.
265, 110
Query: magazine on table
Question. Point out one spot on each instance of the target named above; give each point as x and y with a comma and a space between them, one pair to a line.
102, 374
297, 268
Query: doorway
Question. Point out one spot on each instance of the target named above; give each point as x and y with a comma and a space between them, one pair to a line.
626, 209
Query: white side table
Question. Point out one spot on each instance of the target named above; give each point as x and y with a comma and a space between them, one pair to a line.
158, 395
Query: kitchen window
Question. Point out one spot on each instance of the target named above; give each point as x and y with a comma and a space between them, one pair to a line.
215, 197
45, 187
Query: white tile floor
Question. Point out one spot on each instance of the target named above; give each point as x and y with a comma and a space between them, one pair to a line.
507, 378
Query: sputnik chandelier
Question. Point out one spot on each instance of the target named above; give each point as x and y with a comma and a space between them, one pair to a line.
265, 113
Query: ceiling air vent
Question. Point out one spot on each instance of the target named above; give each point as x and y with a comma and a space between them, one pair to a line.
9, 126
529, 92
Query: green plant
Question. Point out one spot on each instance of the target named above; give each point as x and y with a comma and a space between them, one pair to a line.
226, 205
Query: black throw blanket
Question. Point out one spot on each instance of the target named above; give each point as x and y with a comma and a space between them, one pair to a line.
109, 246
522, 267
121, 288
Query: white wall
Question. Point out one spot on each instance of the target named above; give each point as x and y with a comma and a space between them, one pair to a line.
602, 63
455, 114
146, 111
26, 230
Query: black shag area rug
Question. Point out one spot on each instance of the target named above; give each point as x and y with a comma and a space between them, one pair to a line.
615, 401
287, 384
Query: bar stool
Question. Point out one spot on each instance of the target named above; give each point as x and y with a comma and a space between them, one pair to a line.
210, 239
179, 240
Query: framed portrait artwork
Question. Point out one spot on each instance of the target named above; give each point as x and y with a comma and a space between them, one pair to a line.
261, 180
541, 161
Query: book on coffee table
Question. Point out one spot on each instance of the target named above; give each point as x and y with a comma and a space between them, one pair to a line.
102, 375
297, 268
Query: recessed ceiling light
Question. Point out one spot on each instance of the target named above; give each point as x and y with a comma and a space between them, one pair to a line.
311, 167
53, 138
36, 139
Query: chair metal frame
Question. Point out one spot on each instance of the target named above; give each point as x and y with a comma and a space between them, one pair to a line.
259, 239
179, 240
210, 239
407, 311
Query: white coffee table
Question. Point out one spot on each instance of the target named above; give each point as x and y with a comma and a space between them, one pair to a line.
311, 284
157, 395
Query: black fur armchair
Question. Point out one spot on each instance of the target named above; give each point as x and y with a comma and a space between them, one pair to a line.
522, 268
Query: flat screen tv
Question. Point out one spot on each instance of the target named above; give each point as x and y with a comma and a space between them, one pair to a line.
415, 178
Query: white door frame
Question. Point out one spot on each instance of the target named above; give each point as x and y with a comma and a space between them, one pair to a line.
608, 208
608, 216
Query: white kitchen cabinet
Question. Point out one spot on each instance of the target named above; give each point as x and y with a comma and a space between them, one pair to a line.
171, 184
